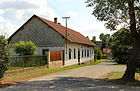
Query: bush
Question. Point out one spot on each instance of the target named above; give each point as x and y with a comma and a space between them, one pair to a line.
4, 52
121, 46
25, 48
97, 53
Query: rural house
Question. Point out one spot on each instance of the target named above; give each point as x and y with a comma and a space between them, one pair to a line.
51, 38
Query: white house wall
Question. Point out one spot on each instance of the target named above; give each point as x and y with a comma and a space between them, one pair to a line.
76, 46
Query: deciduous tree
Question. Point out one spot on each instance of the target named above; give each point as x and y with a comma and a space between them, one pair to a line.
4, 52
127, 14
104, 39
121, 45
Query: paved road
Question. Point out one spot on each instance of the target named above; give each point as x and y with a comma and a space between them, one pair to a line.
81, 79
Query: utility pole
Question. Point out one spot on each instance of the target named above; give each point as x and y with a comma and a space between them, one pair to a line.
66, 18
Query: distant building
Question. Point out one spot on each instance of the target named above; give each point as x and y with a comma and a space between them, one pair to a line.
107, 52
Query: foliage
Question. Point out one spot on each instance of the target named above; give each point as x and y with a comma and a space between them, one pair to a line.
25, 48
4, 48
104, 39
94, 39
114, 12
125, 13
121, 45
97, 53
87, 37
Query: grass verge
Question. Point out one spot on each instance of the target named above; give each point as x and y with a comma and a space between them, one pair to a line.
11, 69
25, 76
115, 78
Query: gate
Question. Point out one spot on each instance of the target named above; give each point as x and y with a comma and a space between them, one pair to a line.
55, 55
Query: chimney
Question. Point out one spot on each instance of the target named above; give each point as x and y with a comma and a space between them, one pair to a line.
55, 20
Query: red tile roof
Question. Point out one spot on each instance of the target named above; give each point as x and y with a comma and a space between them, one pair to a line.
73, 36
106, 51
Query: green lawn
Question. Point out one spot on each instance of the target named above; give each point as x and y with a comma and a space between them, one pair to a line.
115, 78
11, 69
44, 71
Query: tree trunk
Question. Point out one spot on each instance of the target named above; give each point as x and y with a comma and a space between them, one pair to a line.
132, 64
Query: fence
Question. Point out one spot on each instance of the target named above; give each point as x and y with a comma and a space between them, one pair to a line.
24, 62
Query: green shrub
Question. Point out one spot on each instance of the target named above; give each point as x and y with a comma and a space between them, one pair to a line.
121, 46
25, 48
4, 52
97, 53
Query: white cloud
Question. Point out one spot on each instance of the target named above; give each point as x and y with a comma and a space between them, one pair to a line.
16, 12
17, 4
8, 29
64, 0
12, 10
1, 11
73, 13
2, 20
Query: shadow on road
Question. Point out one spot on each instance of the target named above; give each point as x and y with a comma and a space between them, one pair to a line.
70, 84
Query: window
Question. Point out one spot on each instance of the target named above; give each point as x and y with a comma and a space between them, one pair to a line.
87, 53
82, 52
69, 53
74, 53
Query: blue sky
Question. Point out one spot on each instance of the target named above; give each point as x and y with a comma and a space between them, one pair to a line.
14, 13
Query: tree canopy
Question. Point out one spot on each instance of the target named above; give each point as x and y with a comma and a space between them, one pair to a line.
127, 14
121, 45
97, 53
94, 39
115, 12
104, 39
4, 52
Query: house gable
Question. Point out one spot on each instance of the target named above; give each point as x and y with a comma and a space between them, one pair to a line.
38, 32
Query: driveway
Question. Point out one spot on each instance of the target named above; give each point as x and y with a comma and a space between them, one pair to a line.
87, 78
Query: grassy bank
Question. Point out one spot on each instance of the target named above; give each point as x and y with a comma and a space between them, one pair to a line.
115, 78
25, 76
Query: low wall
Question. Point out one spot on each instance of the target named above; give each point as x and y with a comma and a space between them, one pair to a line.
55, 64
75, 61
88, 61
71, 62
